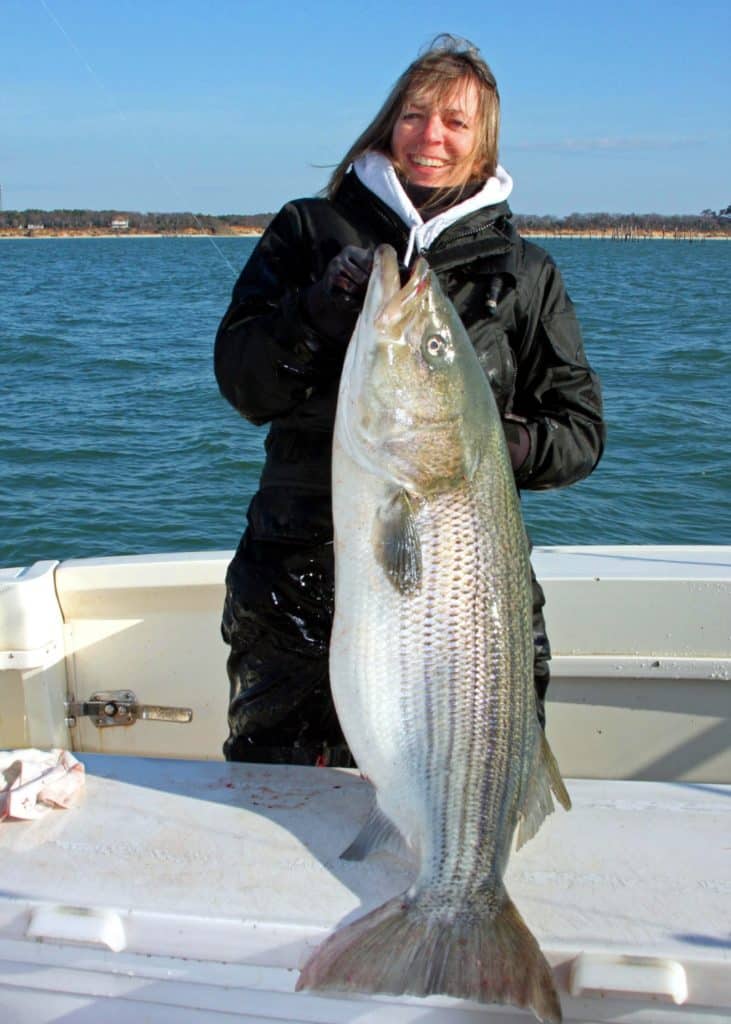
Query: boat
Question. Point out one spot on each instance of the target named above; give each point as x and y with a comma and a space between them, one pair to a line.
184, 888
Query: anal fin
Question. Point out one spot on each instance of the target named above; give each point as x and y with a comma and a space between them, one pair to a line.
378, 833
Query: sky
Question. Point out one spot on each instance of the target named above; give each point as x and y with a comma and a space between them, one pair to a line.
229, 106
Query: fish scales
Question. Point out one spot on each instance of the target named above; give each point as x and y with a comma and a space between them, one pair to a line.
431, 657
452, 635
467, 703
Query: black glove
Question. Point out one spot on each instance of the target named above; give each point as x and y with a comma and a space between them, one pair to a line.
332, 304
518, 438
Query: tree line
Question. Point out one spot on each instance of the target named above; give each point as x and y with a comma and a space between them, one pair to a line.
614, 225
149, 223
630, 225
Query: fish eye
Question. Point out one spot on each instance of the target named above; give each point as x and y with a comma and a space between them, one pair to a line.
437, 349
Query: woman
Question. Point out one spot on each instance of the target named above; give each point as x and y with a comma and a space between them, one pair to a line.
424, 178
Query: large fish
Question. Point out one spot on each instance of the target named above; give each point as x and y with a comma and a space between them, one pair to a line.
431, 657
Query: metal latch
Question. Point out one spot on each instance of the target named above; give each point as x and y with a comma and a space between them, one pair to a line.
120, 707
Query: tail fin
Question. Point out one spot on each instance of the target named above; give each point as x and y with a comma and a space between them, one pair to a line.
406, 947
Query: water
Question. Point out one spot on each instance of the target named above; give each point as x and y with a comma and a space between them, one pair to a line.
115, 440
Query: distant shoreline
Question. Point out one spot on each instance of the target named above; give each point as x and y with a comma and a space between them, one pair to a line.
646, 236
105, 233
241, 232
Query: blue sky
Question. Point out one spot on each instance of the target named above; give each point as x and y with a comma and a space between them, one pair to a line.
233, 107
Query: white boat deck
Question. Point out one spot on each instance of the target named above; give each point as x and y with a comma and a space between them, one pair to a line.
190, 891
184, 889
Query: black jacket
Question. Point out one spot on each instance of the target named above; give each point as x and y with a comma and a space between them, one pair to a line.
274, 368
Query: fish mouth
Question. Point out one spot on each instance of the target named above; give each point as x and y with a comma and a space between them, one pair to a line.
398, 303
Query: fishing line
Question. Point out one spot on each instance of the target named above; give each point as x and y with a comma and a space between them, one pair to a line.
115, 106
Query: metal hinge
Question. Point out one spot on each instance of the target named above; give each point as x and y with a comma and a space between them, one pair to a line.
120, 707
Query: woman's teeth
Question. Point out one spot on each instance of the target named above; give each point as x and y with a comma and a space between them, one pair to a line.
425, 161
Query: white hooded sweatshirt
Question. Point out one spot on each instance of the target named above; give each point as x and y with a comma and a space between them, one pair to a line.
377, 173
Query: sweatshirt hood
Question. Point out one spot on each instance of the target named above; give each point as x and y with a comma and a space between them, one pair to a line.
378, 174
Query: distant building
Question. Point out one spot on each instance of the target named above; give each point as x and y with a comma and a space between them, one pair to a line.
34, 227
120, 223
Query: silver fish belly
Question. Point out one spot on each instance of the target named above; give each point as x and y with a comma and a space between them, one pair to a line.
431, 657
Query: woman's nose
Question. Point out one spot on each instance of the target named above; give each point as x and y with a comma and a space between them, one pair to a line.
433, 128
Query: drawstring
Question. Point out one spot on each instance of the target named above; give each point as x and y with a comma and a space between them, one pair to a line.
410, 246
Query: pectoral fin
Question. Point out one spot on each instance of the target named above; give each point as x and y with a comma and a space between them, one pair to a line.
397, 544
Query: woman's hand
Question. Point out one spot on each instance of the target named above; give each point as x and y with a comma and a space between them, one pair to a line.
333, 303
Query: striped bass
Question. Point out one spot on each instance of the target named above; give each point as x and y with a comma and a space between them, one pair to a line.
431, 657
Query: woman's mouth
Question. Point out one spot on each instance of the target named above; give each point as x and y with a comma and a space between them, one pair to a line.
426, 161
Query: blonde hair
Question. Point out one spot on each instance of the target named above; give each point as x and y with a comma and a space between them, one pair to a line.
447, 62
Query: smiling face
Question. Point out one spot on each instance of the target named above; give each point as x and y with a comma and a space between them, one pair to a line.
435, 139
